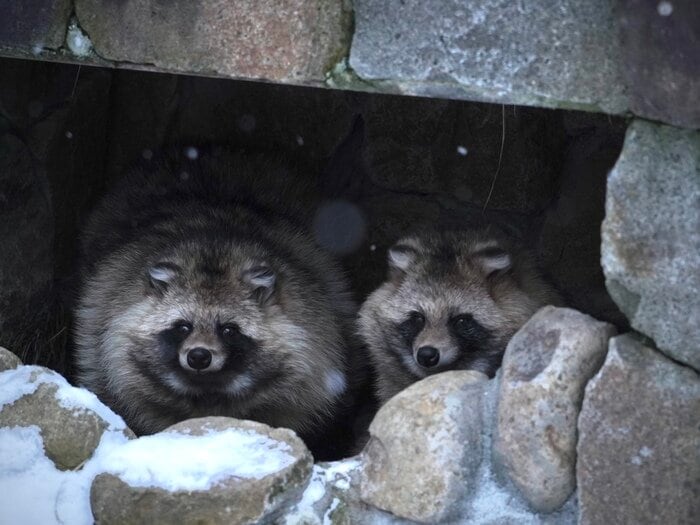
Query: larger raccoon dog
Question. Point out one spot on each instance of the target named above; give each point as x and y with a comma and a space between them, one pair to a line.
204, 294
452, 301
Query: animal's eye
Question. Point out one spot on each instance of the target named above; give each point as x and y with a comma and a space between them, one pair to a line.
412, 326
229, 332
463, 324
182, 328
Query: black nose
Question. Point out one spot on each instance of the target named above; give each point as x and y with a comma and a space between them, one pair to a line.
199, 358
428, 356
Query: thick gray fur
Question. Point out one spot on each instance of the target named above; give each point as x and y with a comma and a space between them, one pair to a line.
177, 240
480, 272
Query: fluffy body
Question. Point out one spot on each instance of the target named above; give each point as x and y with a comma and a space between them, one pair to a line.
452, 300
207, 254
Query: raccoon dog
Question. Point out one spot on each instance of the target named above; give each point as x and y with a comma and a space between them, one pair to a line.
204, 294
452, 300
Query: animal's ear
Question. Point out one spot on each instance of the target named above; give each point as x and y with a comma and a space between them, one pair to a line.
401, 257
261, 278
161, 274
492, 259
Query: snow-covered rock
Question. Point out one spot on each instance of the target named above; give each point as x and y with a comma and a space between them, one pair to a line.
71, 420
208, 470
8, 360
425, 447
545, 370
638, 439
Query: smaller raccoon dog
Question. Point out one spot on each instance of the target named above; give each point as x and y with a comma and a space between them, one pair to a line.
205, 294
452, 300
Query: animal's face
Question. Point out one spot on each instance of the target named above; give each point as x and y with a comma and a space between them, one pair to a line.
431, 326
445, 306
209, 325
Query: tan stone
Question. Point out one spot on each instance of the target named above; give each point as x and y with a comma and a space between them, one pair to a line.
545, 370
425, 447
281, 40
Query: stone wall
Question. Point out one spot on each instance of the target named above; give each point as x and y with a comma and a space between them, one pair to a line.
574, 427
610, 56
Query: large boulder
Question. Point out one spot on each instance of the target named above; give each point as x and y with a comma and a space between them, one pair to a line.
545, 370
71, 420
209, 470
651, 237
638, 439
425, 447
493, 50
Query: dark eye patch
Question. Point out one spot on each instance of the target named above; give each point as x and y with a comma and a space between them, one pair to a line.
411, 327
170, 339
469, 330
178, 332
232, 337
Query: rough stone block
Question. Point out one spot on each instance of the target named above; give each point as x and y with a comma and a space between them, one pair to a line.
563, 54
651, 237
661, 66
32, 25
288, 40
638, 441
425, 447
545, 369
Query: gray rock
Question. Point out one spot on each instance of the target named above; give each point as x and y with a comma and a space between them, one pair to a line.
662, 72
289, 40
566, 55
32, 25
8, 360
651, 237
71, 419
545, 369
638, 442
234, 497
425, 447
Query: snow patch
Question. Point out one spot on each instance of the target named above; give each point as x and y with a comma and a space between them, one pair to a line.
78, 42
333, 475
24, 380
176, 461
34, 491
17, 383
